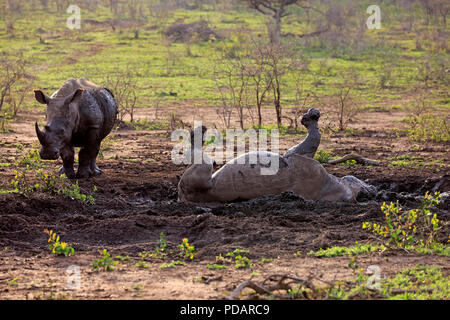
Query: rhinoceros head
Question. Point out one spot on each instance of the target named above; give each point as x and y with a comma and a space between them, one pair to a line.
62, 114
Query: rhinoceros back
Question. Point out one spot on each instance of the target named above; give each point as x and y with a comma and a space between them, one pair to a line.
97, 109
108, 108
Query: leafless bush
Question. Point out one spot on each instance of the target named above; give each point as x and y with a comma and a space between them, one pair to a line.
15, 79
433, 68
346, 107
123, 84
345, 103
175, 122
282, 59
256, 71
232, 81
304, 99
435, 9
421, 105
260, 75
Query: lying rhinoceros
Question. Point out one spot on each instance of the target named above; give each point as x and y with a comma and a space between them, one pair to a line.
80, 114
297, 172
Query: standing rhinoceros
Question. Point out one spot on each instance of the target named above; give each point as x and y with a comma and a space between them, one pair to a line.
80, 114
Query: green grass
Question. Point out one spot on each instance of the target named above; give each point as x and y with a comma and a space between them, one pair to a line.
415, 283
406, 161
357, 249
435, 248
172, 264
418, 283
170, 74
216, 266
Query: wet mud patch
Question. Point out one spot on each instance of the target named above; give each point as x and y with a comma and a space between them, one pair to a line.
271, 225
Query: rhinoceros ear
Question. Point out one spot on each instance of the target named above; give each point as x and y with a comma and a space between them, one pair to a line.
41, 97
76, 96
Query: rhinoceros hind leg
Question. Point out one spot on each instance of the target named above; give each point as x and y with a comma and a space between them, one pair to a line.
95, 170
310, 145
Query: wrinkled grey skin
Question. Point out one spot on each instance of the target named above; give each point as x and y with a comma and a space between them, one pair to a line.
298, 172
80, 114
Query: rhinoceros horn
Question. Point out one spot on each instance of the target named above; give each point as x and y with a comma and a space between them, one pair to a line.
40, 134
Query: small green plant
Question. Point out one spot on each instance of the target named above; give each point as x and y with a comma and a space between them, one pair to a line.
323, 156
242, 262
162, 243
237, 252
73, 192
298, 253
439, 249
240, 259
29, 165
406, 161
358, 248
105, 263
56, 246
141, 264
221, 259
186, 250
26, 162
352, 263
265, 260
348, 163
14, 282
216, 266
123, 258
172, 264
413, 228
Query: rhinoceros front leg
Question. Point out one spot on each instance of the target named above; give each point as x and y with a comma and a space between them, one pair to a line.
67, 155
88, 154
84, 163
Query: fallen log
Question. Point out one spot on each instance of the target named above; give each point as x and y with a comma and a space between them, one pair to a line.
359, 159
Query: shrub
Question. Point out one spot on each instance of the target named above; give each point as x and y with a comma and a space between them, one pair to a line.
416, 227
29, 165
429, 127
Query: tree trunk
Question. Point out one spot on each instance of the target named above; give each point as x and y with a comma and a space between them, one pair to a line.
274, 28
277, 103
259, 115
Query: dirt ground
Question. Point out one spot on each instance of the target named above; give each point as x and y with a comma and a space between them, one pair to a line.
137, 200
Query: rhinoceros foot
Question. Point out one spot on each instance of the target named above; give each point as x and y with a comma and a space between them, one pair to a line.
83, 173
68, 172
95, 171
